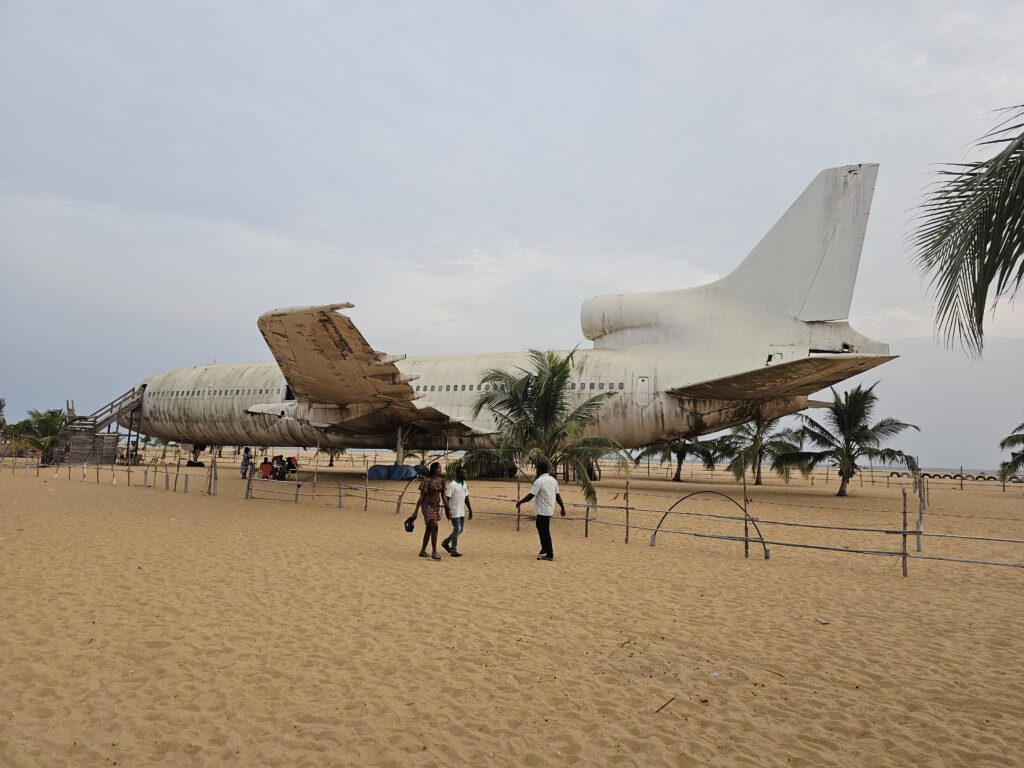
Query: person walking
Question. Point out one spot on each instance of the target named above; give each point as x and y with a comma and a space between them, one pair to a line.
457, 493
246, 460
544, 494
430, 500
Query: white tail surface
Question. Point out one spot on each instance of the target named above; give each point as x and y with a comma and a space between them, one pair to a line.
806, 266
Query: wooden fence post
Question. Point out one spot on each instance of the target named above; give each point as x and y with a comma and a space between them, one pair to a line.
518, 497
920, 515
903, 548
627, 508
586, 524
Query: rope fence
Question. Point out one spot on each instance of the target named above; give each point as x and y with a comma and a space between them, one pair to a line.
598, 515
341, 493
155, 475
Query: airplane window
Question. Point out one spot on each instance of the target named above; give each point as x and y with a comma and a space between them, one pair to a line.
470, 387
591, 385
463, 387
601, 385
447, 387
621, 385
431, 387
573, 385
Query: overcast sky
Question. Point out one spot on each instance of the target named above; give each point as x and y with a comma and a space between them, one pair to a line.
169, 171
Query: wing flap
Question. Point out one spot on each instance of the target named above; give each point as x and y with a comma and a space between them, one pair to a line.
794, 378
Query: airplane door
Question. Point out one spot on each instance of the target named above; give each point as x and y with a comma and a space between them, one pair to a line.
642, 390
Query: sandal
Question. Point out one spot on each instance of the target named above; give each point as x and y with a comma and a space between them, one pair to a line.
435, 556
424, 554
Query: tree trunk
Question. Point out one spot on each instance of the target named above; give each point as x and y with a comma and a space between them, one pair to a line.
331, 462
757, 474
842, 485
679, 468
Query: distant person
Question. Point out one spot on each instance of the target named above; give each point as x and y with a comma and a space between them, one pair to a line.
457, 494
266, 468
292, 465
430, 500
544, 493
246, 461
278, 464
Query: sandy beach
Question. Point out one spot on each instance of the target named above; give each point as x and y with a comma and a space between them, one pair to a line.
141, 627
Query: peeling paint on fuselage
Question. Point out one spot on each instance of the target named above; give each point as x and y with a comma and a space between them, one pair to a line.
207, 404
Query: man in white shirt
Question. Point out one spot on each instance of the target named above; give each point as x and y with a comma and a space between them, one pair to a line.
458, 504
544, 493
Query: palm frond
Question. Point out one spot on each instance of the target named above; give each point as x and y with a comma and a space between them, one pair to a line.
1014, 440
969, 240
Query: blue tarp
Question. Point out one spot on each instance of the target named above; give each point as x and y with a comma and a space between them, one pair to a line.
390, 472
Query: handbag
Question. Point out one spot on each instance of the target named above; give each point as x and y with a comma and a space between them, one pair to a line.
410, 523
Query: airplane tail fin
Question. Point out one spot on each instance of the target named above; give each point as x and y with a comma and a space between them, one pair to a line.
806, 266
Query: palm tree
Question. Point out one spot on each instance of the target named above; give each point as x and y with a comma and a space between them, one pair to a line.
680, 448
848, 438
44, 431
759, 440
538, 419
715, 450
970, 235
1016, 462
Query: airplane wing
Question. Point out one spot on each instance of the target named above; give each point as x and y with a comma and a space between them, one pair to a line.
325, 358
797, 377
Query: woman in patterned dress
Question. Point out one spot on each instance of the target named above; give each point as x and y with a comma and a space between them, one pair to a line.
430, 501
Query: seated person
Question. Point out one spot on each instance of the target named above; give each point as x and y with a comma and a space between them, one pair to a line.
266, 468
291, 467
279, 467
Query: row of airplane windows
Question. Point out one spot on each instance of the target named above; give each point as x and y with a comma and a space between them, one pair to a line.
196, 392
486, 387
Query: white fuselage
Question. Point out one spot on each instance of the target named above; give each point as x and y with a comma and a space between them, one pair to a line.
207, 404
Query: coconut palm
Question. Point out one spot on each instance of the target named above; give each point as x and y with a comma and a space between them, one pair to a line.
848, 438
665, 450
538, 419
970, 237
760, 440
1014, 441
44, 431
715, 450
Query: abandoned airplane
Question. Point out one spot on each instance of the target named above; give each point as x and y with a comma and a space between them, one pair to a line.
683, 362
